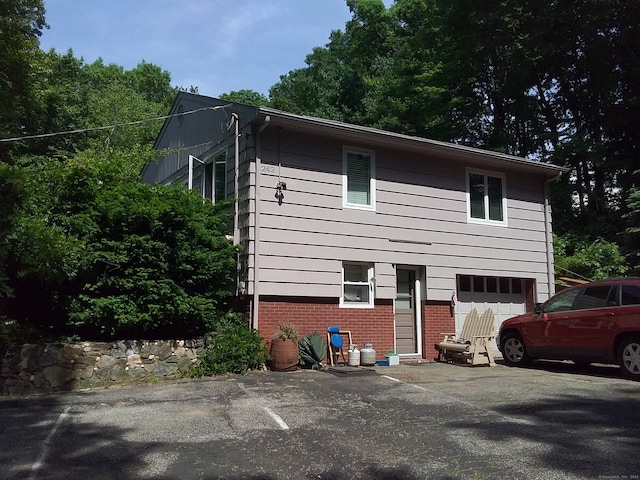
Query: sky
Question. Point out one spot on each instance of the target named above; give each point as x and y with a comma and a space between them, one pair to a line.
216, 45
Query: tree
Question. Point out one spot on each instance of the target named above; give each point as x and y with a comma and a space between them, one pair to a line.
632, 232
12, 180
21, 23
345, 80
247, 97
69, 95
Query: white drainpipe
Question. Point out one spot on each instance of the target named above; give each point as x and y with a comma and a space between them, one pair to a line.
256, 227
548, 234
236, 226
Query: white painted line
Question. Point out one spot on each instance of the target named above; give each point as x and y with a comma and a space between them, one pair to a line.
391, 378
44, 450
419, 387
277, 418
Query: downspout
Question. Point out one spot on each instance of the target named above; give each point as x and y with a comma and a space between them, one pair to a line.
548, 233
236, 168
256, 226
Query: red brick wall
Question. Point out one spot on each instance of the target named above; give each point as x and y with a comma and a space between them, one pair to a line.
367, 325
530, 302
439, 319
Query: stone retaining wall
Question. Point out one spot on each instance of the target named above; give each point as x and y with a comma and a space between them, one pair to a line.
44, 368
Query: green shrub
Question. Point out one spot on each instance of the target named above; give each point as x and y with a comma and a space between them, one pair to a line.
232, 348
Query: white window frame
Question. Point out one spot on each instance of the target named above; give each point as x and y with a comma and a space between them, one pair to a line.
371, 206
486, 220
368, 284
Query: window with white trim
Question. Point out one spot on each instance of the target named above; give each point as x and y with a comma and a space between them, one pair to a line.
358, 179
486, 199
357, 285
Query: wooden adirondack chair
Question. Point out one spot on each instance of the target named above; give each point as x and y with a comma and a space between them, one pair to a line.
474, 344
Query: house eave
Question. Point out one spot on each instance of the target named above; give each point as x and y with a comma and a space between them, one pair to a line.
380, 138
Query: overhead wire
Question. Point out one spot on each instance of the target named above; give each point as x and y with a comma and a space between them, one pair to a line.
93, 129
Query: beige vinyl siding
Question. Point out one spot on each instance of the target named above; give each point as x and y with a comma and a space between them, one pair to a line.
418, 201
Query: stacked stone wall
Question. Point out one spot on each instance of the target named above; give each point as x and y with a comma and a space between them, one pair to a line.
44, 368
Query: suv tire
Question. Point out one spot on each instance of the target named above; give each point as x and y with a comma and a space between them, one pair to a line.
629, 356
514, 351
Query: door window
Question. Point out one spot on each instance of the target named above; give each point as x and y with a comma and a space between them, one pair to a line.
404, 289
595, 297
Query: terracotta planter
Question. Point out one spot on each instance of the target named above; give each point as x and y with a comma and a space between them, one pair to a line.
284, 355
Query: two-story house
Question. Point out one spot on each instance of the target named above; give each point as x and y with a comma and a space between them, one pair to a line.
392, 237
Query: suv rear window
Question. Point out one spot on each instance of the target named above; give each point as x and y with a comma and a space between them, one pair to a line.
630, 295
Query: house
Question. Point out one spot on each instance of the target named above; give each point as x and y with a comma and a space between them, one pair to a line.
395, 238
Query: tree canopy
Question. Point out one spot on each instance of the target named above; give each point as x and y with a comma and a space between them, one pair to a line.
21, 24
85, 246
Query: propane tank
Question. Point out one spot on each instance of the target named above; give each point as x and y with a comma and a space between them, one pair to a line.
367, 355
354, 356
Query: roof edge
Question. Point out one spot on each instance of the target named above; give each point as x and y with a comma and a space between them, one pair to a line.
553, 170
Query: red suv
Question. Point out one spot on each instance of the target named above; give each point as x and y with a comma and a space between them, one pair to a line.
596, 322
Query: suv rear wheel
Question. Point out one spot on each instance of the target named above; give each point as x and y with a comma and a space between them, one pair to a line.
629, 356
513, 350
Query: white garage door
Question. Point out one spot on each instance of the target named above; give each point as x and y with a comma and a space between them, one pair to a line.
505, 296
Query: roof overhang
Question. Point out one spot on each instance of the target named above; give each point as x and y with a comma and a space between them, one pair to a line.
380, 138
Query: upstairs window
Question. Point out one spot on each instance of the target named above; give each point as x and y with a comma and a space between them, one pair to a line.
220, 177
486, 200
358, 179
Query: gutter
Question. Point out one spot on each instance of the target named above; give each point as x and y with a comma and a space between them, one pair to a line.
256, 226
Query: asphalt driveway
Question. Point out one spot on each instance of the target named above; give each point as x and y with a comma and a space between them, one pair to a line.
409, 422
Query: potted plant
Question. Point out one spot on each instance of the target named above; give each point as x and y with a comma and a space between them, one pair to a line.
284, 348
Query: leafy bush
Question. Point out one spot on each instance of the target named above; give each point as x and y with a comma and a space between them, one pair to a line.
97, 253
160, 264
595, 260
232, 348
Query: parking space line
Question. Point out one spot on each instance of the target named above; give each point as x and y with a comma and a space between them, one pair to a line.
391, 378
44, 450
277, 418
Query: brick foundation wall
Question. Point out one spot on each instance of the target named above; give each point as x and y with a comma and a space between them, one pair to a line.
440, 319
529, 295
367, 325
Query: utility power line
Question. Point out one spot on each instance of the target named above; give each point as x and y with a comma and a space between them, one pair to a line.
83, 130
